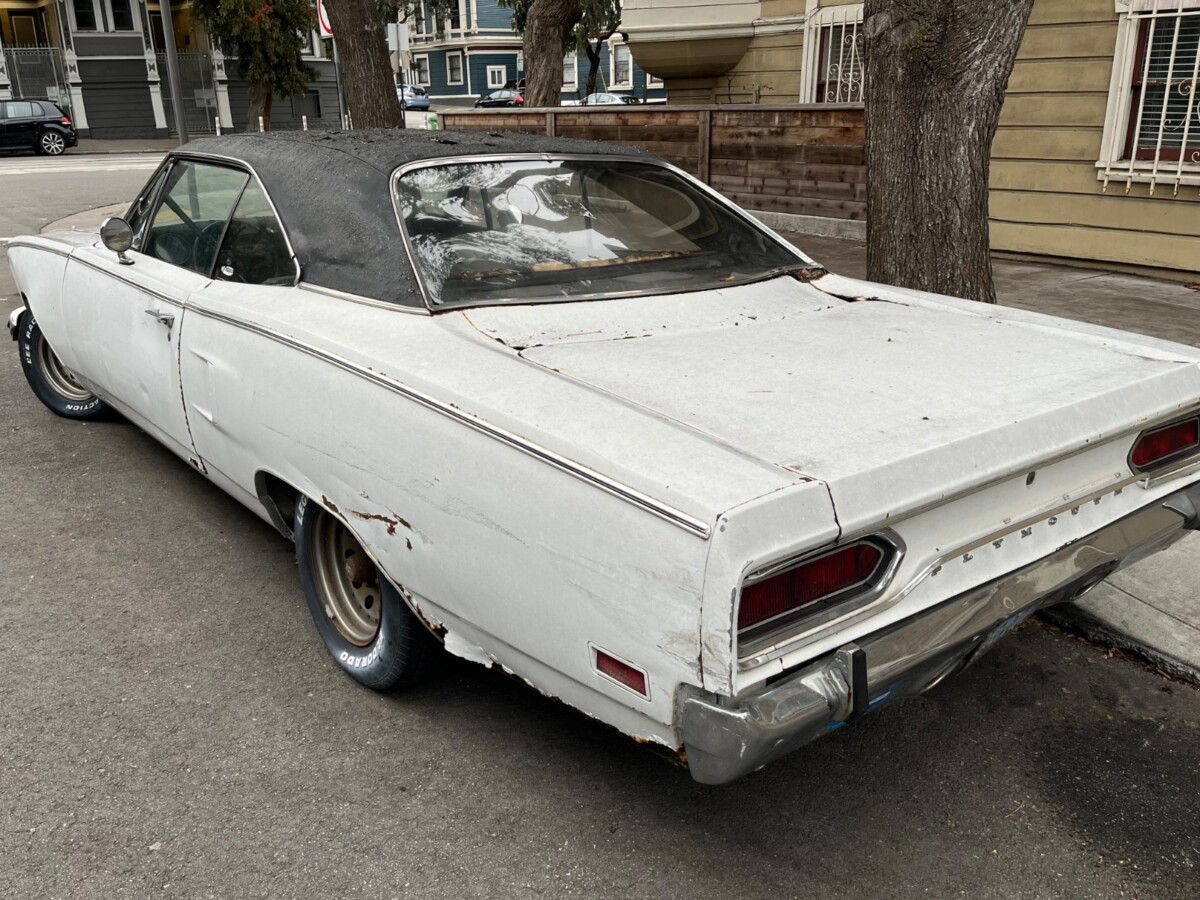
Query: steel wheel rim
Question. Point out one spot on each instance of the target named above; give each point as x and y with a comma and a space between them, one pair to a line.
53, 143
347, 581
60, 377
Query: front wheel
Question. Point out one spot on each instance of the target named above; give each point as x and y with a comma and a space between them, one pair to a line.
52, 143
52, 382
365, 623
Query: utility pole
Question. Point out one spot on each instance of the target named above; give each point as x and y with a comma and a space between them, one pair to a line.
173, 71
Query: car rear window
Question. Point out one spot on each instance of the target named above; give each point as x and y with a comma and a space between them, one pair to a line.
528, 230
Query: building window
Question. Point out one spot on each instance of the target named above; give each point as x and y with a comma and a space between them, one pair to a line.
653, 81
307, 105
622, 66
497, 76
454, 68
85, 15
421, 69
455, 19
122, 15
1152, 127
570, 71
832, 70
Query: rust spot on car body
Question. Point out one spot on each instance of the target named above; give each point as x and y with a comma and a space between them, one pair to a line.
376, 517
809, 273
330, 505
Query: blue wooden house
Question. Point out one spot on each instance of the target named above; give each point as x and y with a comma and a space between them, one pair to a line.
475, 52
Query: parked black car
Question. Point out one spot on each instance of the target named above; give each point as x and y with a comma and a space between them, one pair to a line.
38, 125
500, 98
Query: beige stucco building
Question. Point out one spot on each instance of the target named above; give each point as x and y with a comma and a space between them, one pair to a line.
1097, 157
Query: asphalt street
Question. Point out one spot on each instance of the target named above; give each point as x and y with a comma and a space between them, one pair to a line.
170, 725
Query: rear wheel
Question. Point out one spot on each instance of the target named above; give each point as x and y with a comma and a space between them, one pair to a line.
52, 382
365, 623
52, 143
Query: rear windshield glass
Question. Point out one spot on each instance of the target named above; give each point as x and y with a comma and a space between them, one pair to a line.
522, 231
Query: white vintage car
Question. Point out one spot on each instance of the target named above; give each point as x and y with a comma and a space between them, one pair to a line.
561, 409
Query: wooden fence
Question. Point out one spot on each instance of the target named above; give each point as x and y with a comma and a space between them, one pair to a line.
794, 160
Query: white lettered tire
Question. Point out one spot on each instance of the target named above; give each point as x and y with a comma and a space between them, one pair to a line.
361, 617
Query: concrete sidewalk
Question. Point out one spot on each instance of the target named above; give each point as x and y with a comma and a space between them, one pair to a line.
1152, 608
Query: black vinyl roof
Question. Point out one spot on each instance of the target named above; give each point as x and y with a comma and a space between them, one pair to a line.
332, 192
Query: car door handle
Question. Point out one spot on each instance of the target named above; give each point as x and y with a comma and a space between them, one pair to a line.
167, 319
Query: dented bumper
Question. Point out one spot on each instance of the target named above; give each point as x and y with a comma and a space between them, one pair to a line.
725, 738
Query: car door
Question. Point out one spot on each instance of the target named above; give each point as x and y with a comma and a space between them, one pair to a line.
126, 319
21, 123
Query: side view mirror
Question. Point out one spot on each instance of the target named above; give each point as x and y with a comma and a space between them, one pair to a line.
117, 236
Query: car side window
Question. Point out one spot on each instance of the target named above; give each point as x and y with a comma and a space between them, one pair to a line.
20, 109
190, 221
255, 250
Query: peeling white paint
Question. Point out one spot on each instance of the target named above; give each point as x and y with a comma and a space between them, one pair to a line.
468, 651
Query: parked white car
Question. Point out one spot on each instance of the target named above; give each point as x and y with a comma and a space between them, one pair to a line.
560, 408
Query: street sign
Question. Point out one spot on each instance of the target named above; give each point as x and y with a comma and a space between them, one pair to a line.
323, 25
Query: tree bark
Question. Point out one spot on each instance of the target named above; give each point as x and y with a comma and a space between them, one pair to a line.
365, 64
259, 95
547, 29
593, 55
936, 71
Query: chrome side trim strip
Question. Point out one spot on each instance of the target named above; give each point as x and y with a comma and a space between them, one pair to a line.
583, 473
359, 298
170, 301
17, 242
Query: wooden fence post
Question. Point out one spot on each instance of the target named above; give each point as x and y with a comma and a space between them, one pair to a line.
551, 124
704, 163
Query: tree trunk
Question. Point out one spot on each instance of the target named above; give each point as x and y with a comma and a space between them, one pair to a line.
547, 28
365, 64
936, 71
593, 55
260, 96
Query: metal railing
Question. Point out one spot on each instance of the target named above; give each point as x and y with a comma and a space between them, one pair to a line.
197, 88
39, 72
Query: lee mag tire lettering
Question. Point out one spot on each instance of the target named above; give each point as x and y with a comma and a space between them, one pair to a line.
51, 381
400, 652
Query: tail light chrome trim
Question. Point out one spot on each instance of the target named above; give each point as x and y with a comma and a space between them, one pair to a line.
1167, 460
760, 635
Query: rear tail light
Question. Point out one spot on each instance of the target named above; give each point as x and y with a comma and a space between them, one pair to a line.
834, 576
66, 120
1163, 445
518, 100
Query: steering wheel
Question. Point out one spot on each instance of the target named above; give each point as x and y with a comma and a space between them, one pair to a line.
171, 248
172, 205
204, 250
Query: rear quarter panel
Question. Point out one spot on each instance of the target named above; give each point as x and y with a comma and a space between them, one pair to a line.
524, 564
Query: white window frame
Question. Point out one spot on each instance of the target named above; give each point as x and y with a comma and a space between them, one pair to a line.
613, 83
96, 11
462, 67
110, 22
653, 81
492, 84
417, 60
573, 65
816, 20
1112, 165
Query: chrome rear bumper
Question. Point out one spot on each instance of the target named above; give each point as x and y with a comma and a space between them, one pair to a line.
725, 738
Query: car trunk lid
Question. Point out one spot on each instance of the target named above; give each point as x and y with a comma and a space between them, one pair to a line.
895, 405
